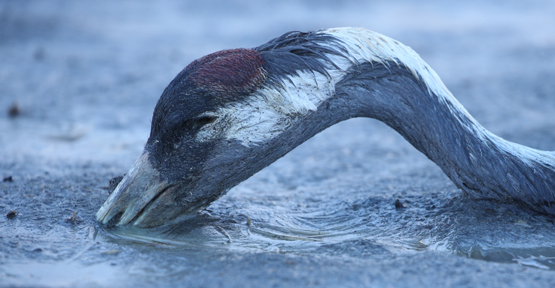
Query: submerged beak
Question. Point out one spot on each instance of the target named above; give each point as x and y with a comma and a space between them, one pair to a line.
132, 198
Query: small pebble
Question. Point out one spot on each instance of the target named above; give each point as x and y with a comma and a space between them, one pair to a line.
14, 111
11, 214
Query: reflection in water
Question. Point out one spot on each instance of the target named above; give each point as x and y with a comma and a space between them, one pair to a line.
481, 230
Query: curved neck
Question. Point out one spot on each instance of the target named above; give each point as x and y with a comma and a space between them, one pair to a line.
478, 162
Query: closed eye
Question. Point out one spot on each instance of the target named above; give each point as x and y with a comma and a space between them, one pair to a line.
195, 123
201, 121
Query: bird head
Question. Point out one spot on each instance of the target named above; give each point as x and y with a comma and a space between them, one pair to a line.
223, 118
220, 120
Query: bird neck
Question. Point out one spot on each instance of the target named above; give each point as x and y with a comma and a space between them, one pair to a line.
477, 161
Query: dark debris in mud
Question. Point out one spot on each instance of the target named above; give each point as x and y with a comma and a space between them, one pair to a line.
14, 111
11, 214
74, 219
398, 204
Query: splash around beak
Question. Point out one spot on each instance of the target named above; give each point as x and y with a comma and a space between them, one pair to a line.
138, 198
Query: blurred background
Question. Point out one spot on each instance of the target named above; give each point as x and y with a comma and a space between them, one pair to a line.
78, 84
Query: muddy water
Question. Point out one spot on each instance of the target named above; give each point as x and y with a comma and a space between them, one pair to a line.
85, 78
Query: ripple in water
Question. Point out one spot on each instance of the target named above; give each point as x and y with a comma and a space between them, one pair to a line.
367, 227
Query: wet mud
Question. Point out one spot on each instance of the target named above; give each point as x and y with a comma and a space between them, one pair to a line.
354, 206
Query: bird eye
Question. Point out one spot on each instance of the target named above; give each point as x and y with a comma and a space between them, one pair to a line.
186, 128
195, 123
201, 121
